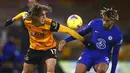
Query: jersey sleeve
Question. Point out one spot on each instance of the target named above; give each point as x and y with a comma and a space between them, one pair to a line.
54, 27
57, 27
116, 50
73, 33
87, 29
21, 15
83, 31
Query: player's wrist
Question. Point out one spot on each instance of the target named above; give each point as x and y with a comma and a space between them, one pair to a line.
66, 40
85, 41
8, 22
89, 44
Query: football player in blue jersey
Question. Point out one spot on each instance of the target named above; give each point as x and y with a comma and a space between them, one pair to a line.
107, 38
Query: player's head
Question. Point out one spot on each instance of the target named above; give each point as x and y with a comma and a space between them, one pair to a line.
110, 13
38, 11
109, 16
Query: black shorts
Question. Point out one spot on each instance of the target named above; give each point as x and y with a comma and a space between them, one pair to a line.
36, 56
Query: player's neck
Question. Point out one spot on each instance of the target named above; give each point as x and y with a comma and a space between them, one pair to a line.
108, 27
37, 23
111, 27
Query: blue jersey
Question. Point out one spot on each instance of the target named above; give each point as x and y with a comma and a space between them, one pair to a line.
105, 40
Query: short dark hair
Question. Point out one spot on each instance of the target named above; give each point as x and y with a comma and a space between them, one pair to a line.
110, 13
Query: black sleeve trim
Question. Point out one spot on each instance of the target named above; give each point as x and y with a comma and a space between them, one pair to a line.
54, 26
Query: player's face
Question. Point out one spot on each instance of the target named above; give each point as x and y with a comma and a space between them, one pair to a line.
39, 20
43, 16
44, 13
108, 22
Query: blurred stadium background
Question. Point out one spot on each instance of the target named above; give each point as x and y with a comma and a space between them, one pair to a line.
62, 9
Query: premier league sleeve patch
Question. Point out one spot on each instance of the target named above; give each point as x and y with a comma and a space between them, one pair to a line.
54, 26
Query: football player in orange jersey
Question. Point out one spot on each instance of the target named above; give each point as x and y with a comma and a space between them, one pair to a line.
42, 43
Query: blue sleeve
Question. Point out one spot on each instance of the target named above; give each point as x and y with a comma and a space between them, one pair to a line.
82, 32
116, 50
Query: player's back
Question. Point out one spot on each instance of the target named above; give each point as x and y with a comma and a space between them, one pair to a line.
103, 39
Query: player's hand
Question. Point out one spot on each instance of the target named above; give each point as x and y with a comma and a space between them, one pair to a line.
89, 44
8, 22
61, 45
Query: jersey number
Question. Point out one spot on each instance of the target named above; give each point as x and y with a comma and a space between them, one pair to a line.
53, 51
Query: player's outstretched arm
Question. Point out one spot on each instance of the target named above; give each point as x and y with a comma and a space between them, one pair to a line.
83, 32
21, 15
56, 27
73, 33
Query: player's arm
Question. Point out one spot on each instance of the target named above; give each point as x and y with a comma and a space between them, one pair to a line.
116, 50
73, 33
82, 32
21, 15
56, 27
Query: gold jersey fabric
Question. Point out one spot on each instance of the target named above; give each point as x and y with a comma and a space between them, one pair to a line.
41, 38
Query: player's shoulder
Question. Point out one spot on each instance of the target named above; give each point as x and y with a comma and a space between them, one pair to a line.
25, 14
117, 29
117, 32
96, 20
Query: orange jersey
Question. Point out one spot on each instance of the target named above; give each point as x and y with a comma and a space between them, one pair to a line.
40, 40
41, 37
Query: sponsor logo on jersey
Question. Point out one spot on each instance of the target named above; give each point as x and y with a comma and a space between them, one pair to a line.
101, 44
97, 31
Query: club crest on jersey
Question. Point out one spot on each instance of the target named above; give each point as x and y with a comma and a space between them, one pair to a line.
25, 16
26, 58
110, 37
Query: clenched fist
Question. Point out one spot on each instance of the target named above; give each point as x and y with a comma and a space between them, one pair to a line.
61, 45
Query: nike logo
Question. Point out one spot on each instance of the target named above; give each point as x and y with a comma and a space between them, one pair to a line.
97, 31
